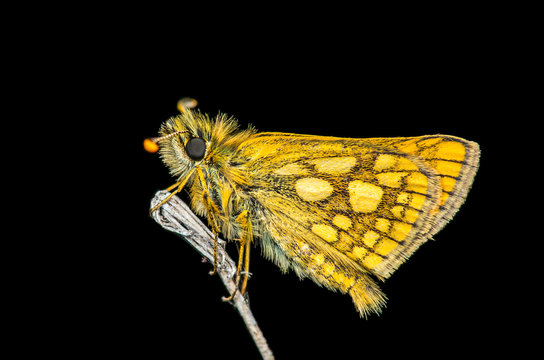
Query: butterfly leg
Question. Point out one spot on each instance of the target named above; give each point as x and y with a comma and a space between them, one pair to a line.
178, 186
211, 209
215, 242
243, 258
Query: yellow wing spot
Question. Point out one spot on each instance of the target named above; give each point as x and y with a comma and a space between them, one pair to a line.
364, 197
411, 215
326, 232
345, 243
410, 147
397, 211
450, 150
291, 169
385, 161
391, 179
343, 222
403, 198
319, 259
447, 167
382, 225
338, 277
370, 237
344, 281
406, 164
417, 201
447, 183
406, 214
328, 269
400, 230
335, 165
417, 182
359, 252
313, 189
372, 260
385, 247
348, 282
443, 197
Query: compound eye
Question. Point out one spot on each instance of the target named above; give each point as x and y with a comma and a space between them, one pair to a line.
196, 148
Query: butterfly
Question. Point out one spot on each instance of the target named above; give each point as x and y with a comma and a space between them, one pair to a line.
343, 212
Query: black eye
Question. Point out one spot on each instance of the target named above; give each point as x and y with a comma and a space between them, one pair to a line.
196, 148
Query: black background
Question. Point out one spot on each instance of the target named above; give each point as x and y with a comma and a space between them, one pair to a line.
124, 286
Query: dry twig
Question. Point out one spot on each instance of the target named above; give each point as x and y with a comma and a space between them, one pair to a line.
177, 217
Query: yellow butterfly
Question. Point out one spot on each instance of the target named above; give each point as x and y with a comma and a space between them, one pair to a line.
339, 211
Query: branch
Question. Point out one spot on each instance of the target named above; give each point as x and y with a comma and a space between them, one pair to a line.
177, 217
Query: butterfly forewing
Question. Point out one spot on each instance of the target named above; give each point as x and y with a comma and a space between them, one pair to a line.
352, 199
